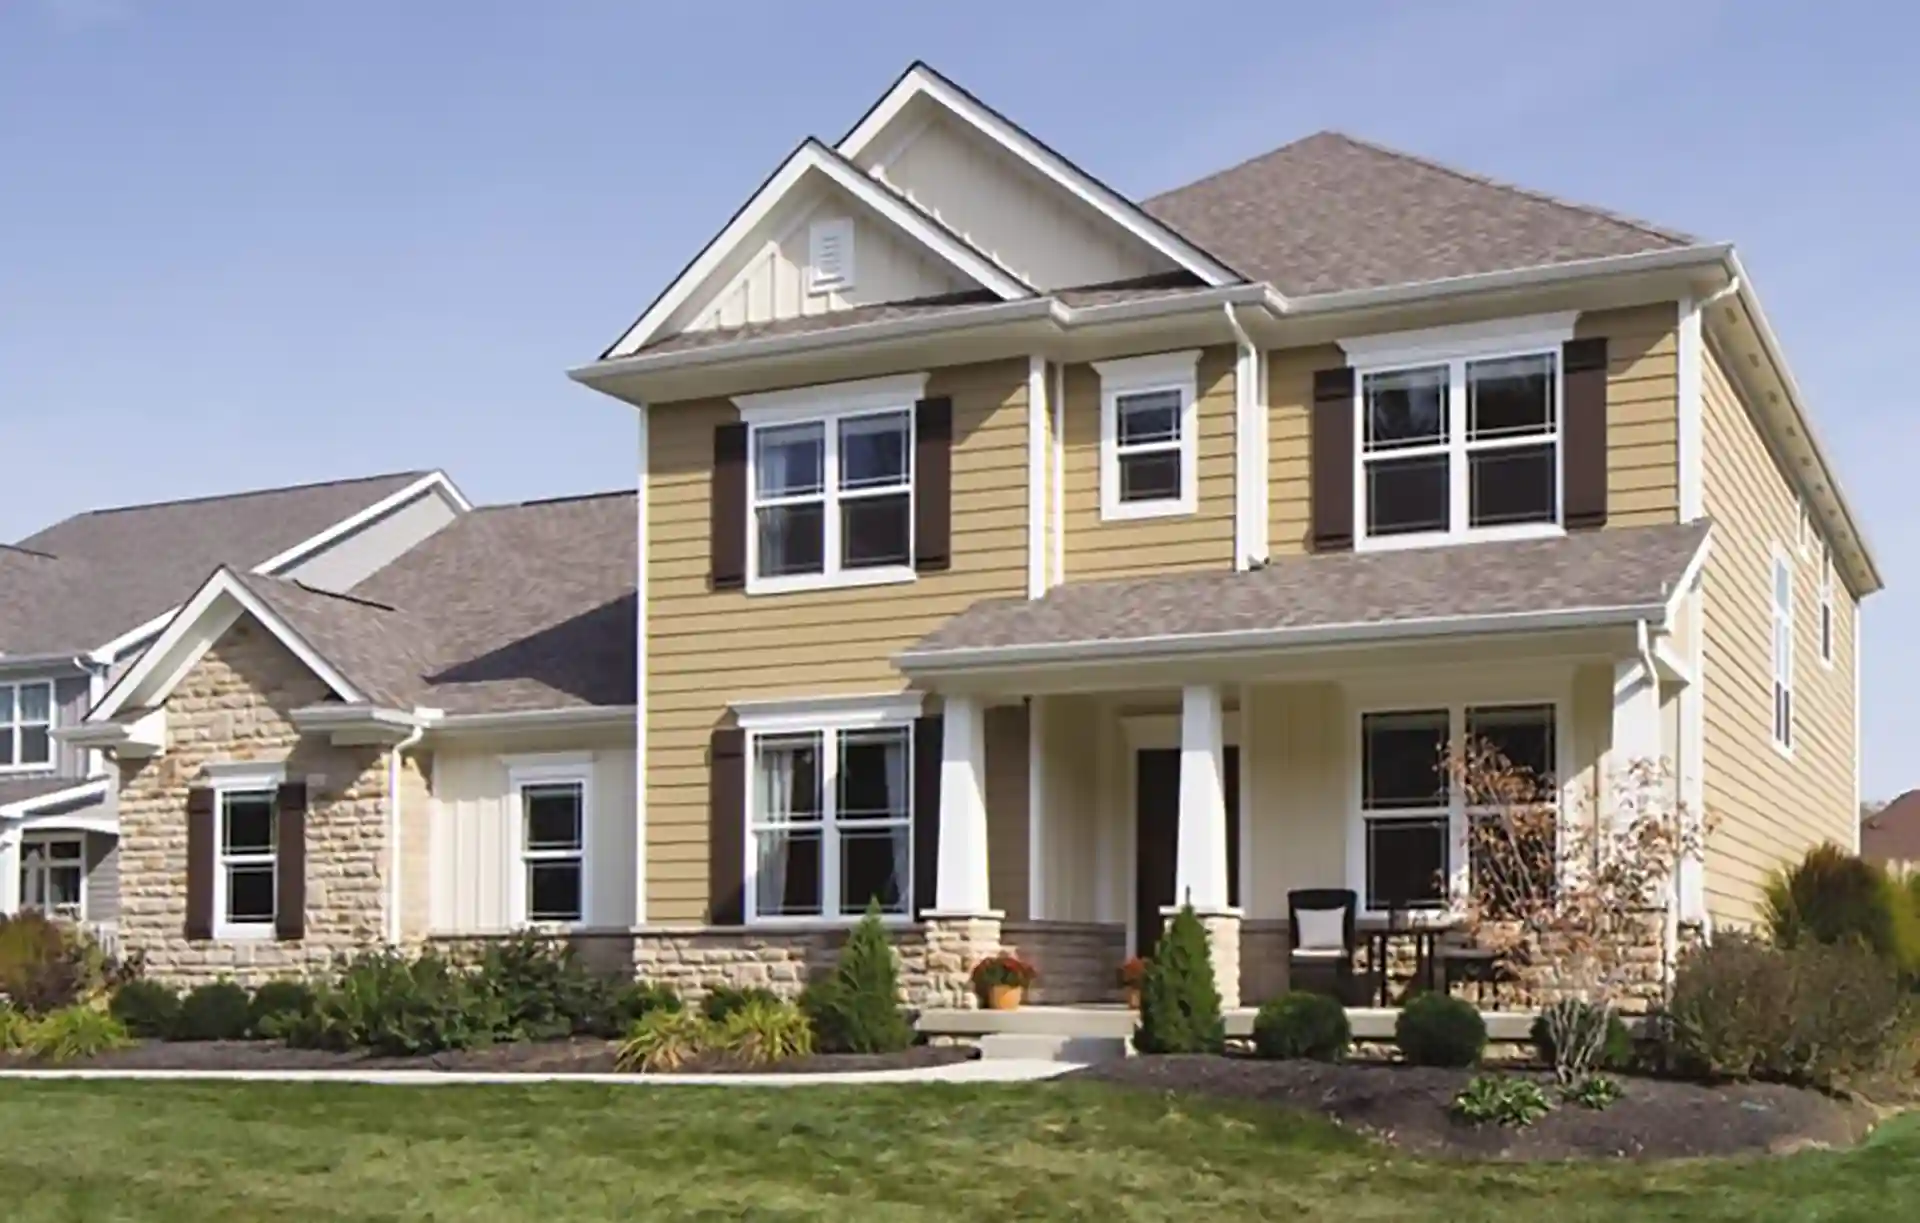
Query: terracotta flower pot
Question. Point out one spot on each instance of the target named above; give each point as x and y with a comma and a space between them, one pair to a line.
1133, 997
1005, 997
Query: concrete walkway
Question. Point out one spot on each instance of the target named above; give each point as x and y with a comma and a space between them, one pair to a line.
979, 1071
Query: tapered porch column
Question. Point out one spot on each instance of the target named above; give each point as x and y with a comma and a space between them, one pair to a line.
1200, 867
1636, 732
10, 871
961, 928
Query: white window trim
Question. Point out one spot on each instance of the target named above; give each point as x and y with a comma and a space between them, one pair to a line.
1454, 347
1780, 625
1826, 626
47, 864
244, 777
12, 728
828, 405
1458, 848
1166, 371
827, 717
548, 769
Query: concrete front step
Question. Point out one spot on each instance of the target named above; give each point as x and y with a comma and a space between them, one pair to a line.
1117, 1022
1025, 1047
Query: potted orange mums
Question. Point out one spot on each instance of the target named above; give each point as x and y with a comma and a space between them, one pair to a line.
1132, 974
1001, 980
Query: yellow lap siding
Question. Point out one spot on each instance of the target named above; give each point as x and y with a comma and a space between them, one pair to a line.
1766, 807
707, 649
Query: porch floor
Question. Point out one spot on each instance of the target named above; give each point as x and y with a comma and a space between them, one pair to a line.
1098, 1021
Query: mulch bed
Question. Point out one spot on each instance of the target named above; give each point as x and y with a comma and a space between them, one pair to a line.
576, 1056
1407, 1106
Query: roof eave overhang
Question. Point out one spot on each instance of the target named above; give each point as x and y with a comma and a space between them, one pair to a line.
566, 717
92, 788
357, 725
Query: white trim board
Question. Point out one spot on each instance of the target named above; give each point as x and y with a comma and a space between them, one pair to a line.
813, 157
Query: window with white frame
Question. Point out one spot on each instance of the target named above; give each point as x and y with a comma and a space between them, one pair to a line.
553, 849
1826, 604
53, 874
1149, 435
246, 875
1782, 598
832, 498
830, 822
1414, 822
26, 725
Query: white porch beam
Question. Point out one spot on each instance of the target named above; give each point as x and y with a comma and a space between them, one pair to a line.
1200, 871
961, 877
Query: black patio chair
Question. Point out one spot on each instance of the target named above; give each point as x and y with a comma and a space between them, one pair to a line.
1321, 941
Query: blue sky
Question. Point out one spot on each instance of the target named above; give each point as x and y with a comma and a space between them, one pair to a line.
254, 243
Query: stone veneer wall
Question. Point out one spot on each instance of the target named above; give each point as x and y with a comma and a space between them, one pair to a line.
234, 706
1078, 961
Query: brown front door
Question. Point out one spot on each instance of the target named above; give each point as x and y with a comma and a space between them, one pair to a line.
1156, 844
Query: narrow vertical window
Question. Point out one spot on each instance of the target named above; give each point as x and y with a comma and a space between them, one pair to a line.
1782, 652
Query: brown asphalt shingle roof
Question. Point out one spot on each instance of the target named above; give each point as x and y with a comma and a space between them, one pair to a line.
86, 580
1892, 834
511, 607
1626, 568
1330, 212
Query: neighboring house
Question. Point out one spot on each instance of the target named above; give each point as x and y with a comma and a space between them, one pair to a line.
79, 602
446, 749
1891, 835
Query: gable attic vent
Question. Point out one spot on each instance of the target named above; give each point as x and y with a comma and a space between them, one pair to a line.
830, 255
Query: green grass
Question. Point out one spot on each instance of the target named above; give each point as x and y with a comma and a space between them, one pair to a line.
206, 1153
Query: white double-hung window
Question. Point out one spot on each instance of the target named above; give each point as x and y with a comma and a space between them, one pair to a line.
1782, 598
1149, 435
1460, 433
26, 726
553, 794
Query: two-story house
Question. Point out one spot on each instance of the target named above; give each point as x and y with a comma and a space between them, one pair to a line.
80, 601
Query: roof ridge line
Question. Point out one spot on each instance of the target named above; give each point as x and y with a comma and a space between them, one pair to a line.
251, 492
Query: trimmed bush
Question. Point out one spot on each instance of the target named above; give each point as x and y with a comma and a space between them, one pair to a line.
1300, 1025
541, 989
218, 1010
664, 1041
761, 1032
73, 1033
857, 1009
1179, 1002
1817, 1014
1831, 896
724, 1001
147, 1009
42, 966
384, 1002
631, 1001
277, 1006
1583, 1020
1439, 1030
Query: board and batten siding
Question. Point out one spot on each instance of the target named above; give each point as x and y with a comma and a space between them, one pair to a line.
475, 839
707, 649
1765, 807
1136, 547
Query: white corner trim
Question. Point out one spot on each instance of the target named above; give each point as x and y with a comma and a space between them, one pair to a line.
1692, 423
1057, 483
640, 673
922, 81
211, 611
1498, 337
822, 712
1167, 371
245, 774
835, 398
812, 157
1037, 410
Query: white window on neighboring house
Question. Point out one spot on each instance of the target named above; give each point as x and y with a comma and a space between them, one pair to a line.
553, 850
246, 876
830, 822
53, 875
1782, 599
832, 500
1149, 435
1826, 606
26, 726
830, 255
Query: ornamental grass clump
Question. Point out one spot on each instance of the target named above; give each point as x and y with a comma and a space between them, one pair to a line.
1179, 1001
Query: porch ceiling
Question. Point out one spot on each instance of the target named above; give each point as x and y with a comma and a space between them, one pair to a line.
1590, 579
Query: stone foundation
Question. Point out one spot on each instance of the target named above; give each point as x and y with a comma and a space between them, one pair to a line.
1078, 961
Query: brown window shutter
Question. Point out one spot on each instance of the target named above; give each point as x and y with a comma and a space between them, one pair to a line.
290, 871
729, 510
1332, 435
201, 838
927, 750
933, 485
726, 827
1584, 367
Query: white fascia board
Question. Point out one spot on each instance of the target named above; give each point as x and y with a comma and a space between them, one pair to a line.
24, 808
434, 481
922, 81
1708, 255
812, 157
566, 717
212, 609
936, 662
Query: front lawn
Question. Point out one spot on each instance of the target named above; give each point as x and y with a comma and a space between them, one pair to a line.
204, 1153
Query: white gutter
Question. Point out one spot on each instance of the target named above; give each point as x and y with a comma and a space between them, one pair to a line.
937, 662
1706, 255
535, 719
394, 825
32, 662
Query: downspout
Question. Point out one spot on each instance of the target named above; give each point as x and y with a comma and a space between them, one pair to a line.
1249, 549
393, 826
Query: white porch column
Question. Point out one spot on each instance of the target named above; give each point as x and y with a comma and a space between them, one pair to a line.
1636, 728
1200, 871
961, 878
10, 871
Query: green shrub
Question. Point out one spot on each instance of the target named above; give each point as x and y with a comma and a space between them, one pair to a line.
664, 1041
219, 1010
1440, 1030
1817, 1014
1179, 1002
857, 1009
147, 1009
629, 1001
1502, 1101
73, 1033
386, 1003
42, 966
1588, 1048
764, 1031
1831, 896
1302, 1025
1596, 1092
542, 989
13, 1029
724, 1001
277, 1006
